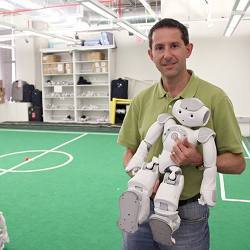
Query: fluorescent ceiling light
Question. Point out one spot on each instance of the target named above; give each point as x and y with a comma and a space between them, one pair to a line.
49, 36
36, 33
131, 29
241, 5
233, 22
7, 6
6, 46
5, 26
11, 36
149, 9
99, 8
26, 4
238, 12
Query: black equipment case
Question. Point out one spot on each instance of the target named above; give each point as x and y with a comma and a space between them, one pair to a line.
119, 88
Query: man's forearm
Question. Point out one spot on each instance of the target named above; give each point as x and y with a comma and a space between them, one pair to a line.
126, 158
229, 163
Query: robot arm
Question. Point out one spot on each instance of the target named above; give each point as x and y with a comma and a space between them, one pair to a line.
152, 135
208, 185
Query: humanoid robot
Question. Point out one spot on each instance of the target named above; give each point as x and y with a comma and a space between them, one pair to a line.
135, 202
4, 238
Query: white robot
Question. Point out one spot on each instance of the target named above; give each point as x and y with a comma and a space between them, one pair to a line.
4, 238
135, 202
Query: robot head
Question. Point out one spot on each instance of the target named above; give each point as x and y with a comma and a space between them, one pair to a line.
191, 112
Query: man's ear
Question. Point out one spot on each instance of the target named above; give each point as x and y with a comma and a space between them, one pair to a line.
150, 54
189, 48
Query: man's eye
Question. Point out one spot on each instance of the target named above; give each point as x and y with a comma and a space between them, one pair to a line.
159, 47
174, 45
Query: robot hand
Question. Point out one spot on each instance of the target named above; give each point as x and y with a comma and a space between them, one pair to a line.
134, 165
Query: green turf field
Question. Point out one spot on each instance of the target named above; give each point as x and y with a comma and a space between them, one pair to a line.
59, 191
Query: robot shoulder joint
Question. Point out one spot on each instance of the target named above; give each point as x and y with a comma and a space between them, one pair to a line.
163, 118
205, 134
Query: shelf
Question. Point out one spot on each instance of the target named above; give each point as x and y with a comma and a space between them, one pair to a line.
63, 74
50, 86
59, 121
55, 62
92, 99
94, 110
90, 61
57, 97
94, 122
59, 109
93, 85
93, 73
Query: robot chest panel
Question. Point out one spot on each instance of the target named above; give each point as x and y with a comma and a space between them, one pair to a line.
171, 134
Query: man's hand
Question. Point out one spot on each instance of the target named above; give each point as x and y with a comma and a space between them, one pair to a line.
185, 153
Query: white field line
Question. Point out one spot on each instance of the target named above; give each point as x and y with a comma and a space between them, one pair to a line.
223, 193
55, 132
42, 154
246, 149
222, 187
222, 184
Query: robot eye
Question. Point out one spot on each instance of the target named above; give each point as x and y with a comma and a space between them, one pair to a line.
179, 111
192, 115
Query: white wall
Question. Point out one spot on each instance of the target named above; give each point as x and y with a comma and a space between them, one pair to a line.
132, 58
5, 70
226, 63
25, 60
28, 59
223, 61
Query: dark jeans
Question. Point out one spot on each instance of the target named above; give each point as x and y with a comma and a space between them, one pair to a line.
193, 233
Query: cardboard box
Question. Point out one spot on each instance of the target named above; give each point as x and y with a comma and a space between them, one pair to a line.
60, 68
68, 68
104, 69
2, 94
95, 55
103, 64
51, 58
46, 69
56, 68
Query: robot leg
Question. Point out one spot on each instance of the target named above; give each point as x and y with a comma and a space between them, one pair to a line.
166, 219
135, 203
4, 238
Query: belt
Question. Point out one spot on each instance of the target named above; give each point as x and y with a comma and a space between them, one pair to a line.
192, 199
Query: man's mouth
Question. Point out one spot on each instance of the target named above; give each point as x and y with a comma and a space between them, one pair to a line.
166, 64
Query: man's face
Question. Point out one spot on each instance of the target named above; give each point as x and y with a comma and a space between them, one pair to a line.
169, 53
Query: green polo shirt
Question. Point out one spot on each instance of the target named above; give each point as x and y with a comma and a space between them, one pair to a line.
153, 101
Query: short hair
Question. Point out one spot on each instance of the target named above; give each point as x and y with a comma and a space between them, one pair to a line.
169, 23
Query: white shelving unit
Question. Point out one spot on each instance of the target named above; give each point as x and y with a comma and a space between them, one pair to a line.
65, 97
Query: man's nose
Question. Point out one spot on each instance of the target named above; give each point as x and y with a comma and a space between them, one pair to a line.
167, 53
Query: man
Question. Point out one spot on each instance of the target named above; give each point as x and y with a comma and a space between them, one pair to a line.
169, 49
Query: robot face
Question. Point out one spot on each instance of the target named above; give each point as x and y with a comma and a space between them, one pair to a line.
191, 112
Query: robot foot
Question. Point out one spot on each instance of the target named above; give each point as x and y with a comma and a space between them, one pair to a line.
162, 232
129, 212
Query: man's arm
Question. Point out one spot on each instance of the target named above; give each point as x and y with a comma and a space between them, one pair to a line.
229, 163
185, 153
126, 158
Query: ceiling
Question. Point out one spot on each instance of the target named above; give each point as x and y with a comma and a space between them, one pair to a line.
205, 18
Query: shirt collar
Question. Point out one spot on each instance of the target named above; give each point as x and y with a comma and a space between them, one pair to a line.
189, 91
